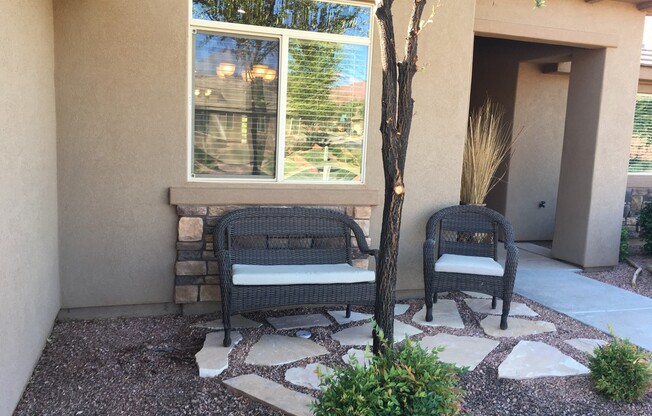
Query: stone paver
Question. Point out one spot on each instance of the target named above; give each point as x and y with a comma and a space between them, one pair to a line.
279, 349
213, 358
586, 345
484, 306
307, 376
533, 359
444, 313
299, 321
361, 335
516, 327
340, 317
237, 322
401, 308
478, 295
272, 394
363, 357
461, 351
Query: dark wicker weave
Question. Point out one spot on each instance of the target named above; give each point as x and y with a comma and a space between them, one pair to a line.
472, 231
287, 236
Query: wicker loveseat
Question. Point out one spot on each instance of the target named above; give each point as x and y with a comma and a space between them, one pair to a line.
271, 257
460, 253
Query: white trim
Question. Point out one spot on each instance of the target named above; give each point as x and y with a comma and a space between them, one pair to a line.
282, 107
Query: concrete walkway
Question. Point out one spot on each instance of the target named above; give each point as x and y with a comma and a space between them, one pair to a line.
557, 286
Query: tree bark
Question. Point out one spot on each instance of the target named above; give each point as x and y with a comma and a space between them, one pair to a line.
396, 120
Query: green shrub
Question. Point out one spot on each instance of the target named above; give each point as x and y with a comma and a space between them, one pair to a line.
620, 370
624, 244
404, 381
645, 224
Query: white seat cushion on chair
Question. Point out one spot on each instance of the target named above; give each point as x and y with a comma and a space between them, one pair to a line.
454, 263
298, 274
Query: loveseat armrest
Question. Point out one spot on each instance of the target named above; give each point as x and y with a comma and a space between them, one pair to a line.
226, 268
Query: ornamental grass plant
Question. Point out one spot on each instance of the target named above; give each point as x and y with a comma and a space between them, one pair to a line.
488, 145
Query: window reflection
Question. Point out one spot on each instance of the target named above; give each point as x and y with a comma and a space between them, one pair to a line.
235, 105
309, 15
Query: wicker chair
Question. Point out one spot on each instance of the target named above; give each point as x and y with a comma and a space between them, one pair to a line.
460, 254
286, 253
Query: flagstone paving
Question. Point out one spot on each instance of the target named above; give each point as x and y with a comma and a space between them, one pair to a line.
533, 359
237, 322
484, 306
362, 357
529, 359
307, 376
213, 358
459, 350
340, 317
299, 321
586, 345
271, 393
477, 295
516, 327
444, 313
361, 335
280, 349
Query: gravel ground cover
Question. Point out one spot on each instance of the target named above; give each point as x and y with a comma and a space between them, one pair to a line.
621, 275
145, 366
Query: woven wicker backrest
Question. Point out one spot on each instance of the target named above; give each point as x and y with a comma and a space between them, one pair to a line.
468, 230
468, 234
285, 236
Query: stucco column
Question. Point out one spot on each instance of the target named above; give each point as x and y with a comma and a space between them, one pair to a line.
595, 154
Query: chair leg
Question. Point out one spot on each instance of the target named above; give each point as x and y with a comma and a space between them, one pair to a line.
493, 302
434, 297
348, 310
429, 298
507, 301
227, 330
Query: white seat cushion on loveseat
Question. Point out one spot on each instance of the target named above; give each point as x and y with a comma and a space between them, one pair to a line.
454, 263
298, 274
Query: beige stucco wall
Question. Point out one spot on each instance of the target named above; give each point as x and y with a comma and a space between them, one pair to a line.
29, 269
434, 161
539, 116
121, 125
596, 143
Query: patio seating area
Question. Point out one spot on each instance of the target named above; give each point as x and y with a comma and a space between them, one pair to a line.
148, 365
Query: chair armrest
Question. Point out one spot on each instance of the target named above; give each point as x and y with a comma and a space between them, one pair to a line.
429, 249
371, 252
511, 261
226, 268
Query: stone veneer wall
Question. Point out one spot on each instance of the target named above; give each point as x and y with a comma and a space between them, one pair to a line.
635, 198
196, 269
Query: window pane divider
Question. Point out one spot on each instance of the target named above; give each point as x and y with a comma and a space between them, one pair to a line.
282, 111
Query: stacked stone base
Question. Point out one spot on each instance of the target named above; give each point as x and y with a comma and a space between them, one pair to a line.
196, 270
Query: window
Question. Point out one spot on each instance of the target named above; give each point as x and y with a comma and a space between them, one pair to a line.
279, 90
640, 154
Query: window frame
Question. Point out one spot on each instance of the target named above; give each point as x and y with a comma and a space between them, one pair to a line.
283, 36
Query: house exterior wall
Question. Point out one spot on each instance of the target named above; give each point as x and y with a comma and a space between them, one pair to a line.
596, 141
121, 78
121, 125
540, 112
29, 268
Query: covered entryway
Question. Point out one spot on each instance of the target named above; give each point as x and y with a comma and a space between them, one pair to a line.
572, 116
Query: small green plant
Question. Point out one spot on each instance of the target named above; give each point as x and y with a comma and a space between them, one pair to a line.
645, 223
407, 380
620, 370
624, 244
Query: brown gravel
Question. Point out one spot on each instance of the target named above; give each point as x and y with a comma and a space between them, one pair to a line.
621, 275
143, 366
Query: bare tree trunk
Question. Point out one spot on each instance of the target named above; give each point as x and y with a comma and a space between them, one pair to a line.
396, 120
